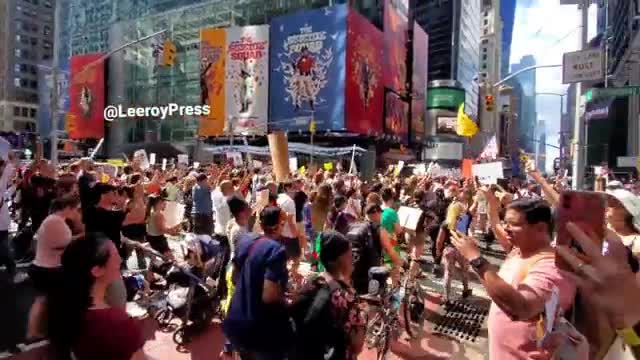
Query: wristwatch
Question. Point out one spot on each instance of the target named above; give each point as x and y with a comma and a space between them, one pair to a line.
479, 265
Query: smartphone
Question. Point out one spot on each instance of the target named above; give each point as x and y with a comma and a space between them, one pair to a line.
586, 209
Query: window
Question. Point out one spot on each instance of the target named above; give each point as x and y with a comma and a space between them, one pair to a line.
33, 84
46, 44
32, 113
484, 57
34, 41
485, 41
24, 112
486, 21
46, 56
47, 4
46, 30
16, 111
19, 53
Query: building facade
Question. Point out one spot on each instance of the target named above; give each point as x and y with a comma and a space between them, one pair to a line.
528, 113
507, 15
27, 42
454, 37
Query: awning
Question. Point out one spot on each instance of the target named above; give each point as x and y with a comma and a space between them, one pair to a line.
298, 148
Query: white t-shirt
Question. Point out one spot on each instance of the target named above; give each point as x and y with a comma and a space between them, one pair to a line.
221, 212
286, 203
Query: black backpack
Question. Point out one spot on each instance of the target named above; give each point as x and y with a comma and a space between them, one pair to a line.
367, 252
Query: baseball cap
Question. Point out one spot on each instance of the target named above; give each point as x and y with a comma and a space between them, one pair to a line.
630, 202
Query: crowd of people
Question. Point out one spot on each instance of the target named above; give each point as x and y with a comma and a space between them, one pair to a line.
78, 226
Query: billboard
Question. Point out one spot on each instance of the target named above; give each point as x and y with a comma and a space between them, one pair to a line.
395, 42
247, 79
395, 121
419, 83
45, 92
307, 78
365, 91
86, 96
212, 76
445, 98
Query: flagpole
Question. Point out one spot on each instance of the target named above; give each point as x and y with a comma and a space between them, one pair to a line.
353, 158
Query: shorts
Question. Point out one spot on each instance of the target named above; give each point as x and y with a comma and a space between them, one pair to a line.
45, 279
292, 247
159, 243
135, 232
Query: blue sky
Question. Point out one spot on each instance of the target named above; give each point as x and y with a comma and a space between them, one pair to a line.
546, 30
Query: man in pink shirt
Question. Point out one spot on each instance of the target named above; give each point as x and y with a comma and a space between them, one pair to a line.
524, 283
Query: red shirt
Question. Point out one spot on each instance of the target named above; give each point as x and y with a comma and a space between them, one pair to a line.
108, 334
305, 64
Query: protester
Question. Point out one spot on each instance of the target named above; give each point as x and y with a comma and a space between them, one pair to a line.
202, 212
157, 228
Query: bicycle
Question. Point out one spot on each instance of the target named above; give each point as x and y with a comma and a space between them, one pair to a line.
385, 325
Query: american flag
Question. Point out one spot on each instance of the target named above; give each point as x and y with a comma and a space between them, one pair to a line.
490, 151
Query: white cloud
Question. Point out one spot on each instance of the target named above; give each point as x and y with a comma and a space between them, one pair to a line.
546, 30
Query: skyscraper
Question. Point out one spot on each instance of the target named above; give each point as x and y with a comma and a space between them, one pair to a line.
508, 14
27, 41
454, 38
528, 114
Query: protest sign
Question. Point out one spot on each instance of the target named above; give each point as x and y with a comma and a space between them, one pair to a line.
152, 158
279, 147
257, 164
164, 164
141, 157
293, 164
183, 159
488, 173
409, 217
327, 166
196, 164
235, 158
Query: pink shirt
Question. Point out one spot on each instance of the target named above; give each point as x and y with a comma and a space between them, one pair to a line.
52, 237
511, 339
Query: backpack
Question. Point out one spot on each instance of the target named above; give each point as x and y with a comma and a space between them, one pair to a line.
367, 252
312, 340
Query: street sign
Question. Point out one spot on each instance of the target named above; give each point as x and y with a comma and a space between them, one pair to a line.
585, 65
624, 91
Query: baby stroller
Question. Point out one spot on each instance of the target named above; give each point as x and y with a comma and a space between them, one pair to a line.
193, 294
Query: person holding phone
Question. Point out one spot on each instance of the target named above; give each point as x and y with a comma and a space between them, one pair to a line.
524, 282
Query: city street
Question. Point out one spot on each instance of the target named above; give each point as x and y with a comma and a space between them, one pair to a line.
17, 299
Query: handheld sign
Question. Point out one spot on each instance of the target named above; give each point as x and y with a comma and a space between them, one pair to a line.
164, 164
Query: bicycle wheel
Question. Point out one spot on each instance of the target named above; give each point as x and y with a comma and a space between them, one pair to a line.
383, 350
406, 316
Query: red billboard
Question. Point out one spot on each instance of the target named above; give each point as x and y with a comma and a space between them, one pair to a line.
395, 45
419, 83
86, 96
396, 122
364, 99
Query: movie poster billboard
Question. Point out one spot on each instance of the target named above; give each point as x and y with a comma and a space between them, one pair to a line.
419, 83
307, 60
364, 104
45, 91
247, 78
396, 122
395, 44
86, 96
212, 81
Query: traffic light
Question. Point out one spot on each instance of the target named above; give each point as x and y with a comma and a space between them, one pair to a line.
168, 53
489, 102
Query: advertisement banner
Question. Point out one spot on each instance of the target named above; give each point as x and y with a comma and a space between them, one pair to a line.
395, 45
307, 61
247, 79
45, 91
364, 92
419, 83
396, 122
445, 98
212, 76
86, 96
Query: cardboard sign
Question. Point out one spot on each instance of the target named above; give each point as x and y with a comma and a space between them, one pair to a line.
183, 159
152, 158
488, 173
141, 157
164, 164
257, 164
409, 217
235, 158
196, 164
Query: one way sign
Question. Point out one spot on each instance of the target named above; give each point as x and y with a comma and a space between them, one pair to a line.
585, 65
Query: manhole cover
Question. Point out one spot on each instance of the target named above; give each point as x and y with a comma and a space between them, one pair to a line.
461, 320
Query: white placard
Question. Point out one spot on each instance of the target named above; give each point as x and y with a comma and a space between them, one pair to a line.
488, 173
584, 65
196, 164
183, 159
257, 164
173, 213
164, 164
627, 161
236, 157
152, 158
141, 157
293, 165
110, 170
409, 217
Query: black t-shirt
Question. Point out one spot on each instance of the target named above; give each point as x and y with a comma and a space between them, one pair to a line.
300, 199
108, 222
